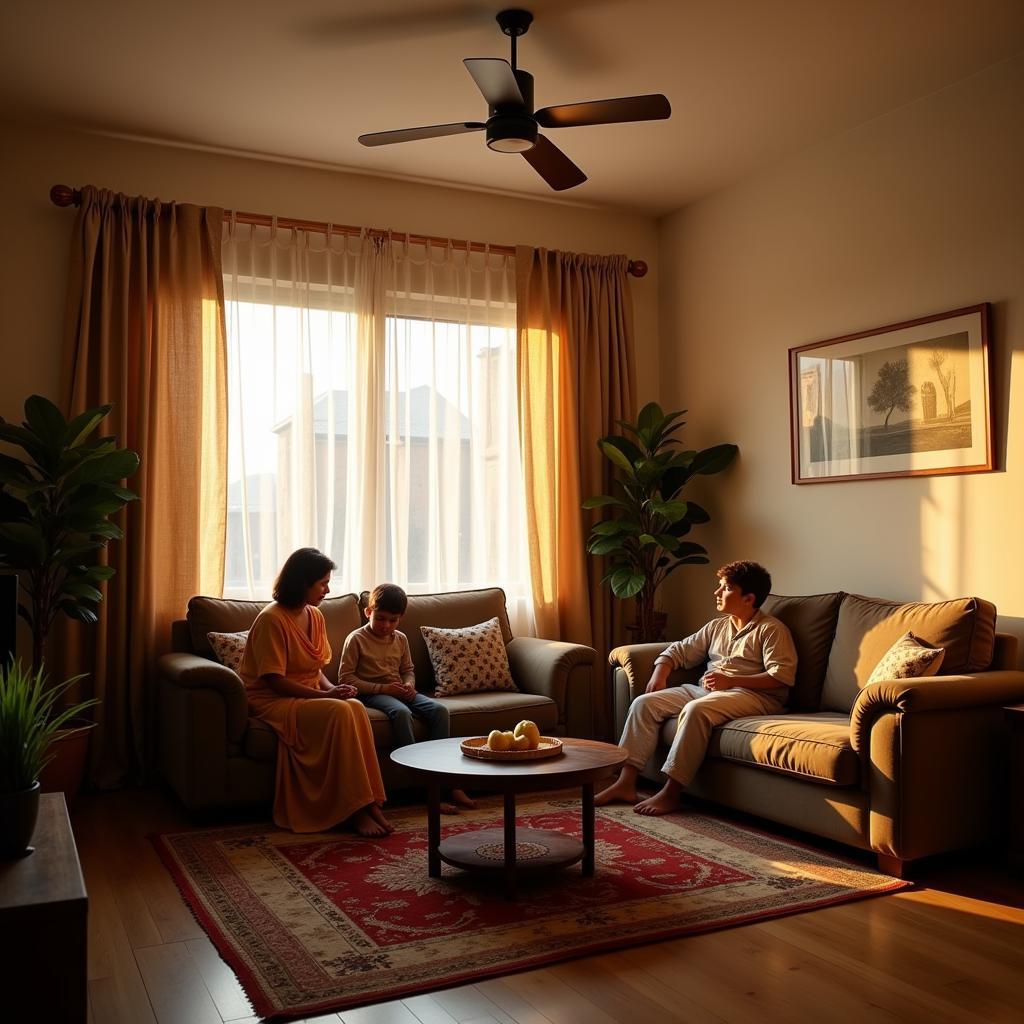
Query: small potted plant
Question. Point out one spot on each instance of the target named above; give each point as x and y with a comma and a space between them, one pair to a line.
56, 499
642, 533
30, 718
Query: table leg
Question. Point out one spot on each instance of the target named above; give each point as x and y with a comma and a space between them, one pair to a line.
588, 829
433, 829
510, 846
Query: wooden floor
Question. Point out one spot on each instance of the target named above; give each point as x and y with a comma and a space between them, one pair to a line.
951, 949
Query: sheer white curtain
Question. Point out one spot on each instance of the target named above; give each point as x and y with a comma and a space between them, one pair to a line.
372, 413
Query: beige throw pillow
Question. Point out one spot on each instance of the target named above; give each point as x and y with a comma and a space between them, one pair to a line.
908, 658
468, 660
229, 647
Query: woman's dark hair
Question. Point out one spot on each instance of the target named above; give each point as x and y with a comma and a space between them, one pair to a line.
750, 577
300, 571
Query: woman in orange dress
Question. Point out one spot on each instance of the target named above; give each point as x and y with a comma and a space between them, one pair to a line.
327, 769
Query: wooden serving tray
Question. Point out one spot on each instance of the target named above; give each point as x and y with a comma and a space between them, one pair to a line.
476, 746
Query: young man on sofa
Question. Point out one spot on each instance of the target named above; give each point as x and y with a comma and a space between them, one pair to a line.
751, 664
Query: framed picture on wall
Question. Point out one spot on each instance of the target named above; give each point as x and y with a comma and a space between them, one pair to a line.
911, 399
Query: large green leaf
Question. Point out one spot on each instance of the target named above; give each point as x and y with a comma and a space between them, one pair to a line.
614, 453
713, 460
108, 468
696, 514
604, 545
630, 586
84, 424
610, 527
628, 449
25, 545
648, 471
82, 589
24, 439
603, 500
650, 416
46, 420
669, 511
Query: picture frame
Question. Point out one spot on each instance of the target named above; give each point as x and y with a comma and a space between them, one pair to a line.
909, 399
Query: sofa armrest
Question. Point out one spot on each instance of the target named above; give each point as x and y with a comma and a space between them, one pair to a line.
562, 671
931, 693
194, 672
637, 662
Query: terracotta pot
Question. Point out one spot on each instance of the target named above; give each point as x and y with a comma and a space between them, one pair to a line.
66, 772
18, 813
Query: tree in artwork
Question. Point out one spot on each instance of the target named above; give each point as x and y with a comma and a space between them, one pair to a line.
892, 389
947, 378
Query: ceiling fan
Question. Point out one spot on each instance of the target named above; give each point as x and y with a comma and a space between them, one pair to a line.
512, 123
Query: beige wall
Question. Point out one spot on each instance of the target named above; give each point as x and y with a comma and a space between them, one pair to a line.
33, 267
915, 213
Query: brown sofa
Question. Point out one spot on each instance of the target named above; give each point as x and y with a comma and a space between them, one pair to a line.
214, 755
904, 768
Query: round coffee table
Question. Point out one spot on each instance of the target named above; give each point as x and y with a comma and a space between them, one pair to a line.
509, 851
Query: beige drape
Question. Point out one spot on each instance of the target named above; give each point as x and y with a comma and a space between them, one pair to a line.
576, 378
144, 330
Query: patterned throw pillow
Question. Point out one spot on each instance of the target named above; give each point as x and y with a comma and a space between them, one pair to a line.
908, 658
229, 647
468, 660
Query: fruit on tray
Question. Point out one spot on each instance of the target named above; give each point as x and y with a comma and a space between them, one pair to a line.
498, 740
527, 730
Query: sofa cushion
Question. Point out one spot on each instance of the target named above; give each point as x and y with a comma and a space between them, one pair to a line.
812, 622
218, 615
868, 627
468, 660
229, 647
449, 611
909, 658
811, 746
476, 714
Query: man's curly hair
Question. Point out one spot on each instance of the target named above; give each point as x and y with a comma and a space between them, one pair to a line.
750, 577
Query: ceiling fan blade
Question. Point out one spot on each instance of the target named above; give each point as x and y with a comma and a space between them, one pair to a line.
430, 131
496, 80
654, 107
553, 165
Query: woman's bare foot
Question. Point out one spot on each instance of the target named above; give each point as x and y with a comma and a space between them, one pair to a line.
620, 791
447, 808
664, 801
378, 815
366, 824
463, 799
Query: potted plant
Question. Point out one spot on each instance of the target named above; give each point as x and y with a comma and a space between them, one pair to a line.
56, 499
30, 718
646, 520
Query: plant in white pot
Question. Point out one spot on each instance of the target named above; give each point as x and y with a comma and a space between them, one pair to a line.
56, 499
646, 519
30, 717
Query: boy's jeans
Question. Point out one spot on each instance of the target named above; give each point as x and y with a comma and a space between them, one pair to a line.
401, 714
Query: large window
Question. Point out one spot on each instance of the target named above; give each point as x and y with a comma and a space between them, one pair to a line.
388, 441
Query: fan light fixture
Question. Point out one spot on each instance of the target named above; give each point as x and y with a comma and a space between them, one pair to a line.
511, 133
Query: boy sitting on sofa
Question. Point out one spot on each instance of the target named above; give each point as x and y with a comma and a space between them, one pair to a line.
376, 661
751, 664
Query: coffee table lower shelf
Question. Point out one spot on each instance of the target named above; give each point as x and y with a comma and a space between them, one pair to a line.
484, 850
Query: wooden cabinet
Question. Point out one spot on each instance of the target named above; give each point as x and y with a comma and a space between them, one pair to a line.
43, 911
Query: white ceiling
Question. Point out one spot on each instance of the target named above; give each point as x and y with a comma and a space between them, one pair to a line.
749, 80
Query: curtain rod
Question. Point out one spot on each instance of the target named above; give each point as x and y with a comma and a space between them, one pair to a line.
64, 195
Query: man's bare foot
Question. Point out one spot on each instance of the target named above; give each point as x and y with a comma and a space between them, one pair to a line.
618, 792
660, 803
447, 808
463, 799
378, 815
366, 824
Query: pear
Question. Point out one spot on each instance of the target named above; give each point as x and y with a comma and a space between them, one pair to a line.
529, 730
521, 742
498, 740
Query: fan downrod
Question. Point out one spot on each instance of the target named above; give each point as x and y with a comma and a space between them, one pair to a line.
514, 22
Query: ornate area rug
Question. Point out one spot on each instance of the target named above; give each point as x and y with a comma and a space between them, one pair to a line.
312, 923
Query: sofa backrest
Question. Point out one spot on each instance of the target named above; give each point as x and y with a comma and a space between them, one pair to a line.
217, 615
812, 622
449, 611
868, 626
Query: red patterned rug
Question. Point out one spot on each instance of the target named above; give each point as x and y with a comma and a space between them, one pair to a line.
313, 923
